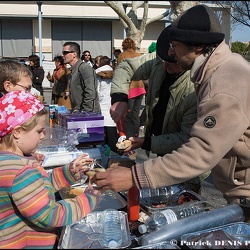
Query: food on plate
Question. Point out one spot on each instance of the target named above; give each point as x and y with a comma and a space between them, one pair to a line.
124, 144
93, 171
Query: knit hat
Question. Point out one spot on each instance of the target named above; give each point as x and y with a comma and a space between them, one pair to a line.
162, 46
16, 108
197, 25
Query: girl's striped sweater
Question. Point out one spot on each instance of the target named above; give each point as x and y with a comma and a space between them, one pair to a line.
29, 213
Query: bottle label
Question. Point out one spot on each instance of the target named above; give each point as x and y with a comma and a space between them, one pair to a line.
170, 215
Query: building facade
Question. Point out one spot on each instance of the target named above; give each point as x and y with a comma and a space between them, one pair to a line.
27, 26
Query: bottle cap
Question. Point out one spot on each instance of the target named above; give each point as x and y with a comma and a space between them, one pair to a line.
142, 229
112, 244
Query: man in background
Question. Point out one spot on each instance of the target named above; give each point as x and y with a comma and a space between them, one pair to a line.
82, 83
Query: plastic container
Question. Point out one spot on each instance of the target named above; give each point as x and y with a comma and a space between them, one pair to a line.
133, 201
153, 200
170, 215
154, 222
111, 229
87, 233
205, 220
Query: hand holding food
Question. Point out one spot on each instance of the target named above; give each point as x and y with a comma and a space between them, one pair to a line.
81, 164
93, 171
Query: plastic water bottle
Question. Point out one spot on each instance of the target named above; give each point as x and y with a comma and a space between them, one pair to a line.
111, 229
202, 221
170, 215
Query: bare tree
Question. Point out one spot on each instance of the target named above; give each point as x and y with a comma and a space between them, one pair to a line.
240, 11
136, 30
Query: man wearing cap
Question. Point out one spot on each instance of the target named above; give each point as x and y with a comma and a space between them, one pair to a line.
170, 101
220, 138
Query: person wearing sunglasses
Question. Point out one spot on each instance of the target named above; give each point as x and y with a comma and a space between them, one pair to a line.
86, 57
14, 76
82, 81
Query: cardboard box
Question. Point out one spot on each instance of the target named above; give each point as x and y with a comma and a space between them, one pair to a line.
89, 125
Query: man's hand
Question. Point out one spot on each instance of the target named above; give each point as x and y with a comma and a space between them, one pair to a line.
118, 110
136, 143
116, 178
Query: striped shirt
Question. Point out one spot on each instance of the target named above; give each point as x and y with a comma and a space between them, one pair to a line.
29, 213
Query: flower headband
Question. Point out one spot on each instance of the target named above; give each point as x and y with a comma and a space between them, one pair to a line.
16, 108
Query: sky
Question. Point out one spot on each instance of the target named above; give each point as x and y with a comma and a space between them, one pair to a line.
241, 34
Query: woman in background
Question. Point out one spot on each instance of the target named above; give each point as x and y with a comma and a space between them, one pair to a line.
86, 57
59, 79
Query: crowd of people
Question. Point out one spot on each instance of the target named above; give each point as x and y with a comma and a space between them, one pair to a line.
197, 121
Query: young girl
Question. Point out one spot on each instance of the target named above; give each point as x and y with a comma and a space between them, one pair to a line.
29, 213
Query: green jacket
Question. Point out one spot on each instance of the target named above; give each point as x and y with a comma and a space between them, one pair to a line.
181, 111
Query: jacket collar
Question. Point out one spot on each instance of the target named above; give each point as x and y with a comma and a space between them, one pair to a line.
204, 66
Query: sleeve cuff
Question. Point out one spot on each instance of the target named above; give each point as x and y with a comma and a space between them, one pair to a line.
139, 176
119, 97
146, 144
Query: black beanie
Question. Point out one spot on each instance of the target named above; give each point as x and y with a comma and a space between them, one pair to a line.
197, 25
162, 46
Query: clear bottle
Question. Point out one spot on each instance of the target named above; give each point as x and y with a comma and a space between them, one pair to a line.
170, 215
111, 229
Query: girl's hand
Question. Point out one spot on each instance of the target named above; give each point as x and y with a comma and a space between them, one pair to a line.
81, 164
94, 191
39, 158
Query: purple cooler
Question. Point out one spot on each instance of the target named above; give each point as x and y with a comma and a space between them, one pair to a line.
88, 125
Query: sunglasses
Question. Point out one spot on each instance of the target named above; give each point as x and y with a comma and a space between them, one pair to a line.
28, 89
65, 52
86, 55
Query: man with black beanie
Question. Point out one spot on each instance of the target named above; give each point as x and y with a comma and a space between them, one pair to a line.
220, 138
170, 101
